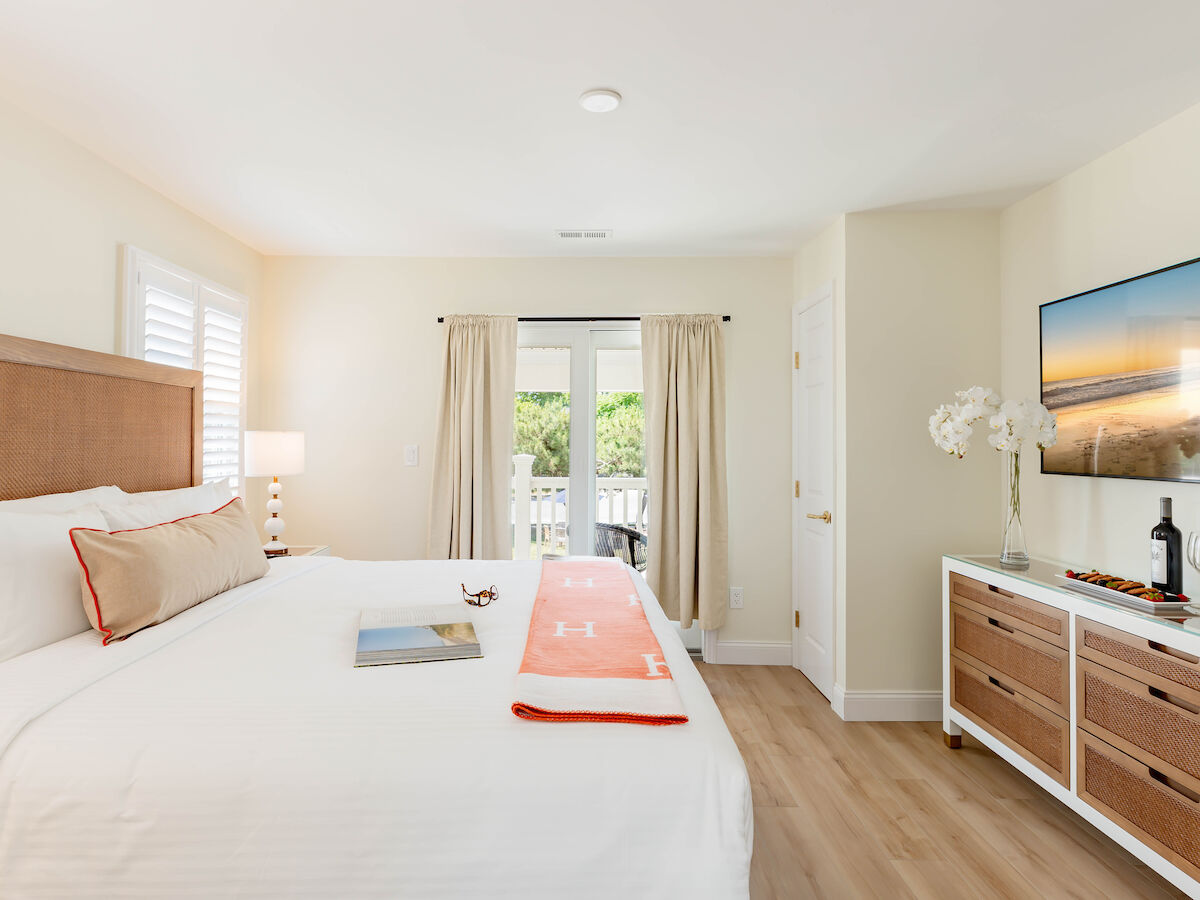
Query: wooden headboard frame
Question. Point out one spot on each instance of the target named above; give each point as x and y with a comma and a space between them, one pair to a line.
72, 419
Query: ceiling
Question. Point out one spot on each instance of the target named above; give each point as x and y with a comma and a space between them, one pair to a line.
451, 128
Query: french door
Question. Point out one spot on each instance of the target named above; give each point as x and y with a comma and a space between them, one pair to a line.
579, 453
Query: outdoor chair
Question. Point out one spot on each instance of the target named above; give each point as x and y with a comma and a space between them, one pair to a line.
623, 542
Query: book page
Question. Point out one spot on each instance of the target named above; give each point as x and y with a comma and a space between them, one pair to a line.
398, 616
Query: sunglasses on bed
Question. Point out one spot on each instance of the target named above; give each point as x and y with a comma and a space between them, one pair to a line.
482, 598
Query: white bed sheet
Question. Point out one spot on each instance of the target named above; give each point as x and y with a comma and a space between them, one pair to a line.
235, 751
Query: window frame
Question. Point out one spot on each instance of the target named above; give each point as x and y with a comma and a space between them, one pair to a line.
204, 292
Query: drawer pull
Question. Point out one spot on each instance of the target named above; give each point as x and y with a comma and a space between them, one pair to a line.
996, 623
999, 685
1174, 701
1171, 651
996, 590
1174, 785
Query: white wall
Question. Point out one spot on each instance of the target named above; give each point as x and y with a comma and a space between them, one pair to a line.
922, 292
352, 355
66, 214
916, 312
1133, 210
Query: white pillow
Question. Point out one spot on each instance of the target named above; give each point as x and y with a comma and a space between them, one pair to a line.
40, 594
216, 488
155, 507
57, 503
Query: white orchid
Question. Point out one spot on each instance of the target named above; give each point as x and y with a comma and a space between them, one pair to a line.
949, 429
1013, 423
1021, 421
978, 403
950, 424
1047, 428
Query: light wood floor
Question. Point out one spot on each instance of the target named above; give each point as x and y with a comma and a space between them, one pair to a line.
864, 809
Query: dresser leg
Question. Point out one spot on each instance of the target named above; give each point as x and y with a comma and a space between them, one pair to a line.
953, 741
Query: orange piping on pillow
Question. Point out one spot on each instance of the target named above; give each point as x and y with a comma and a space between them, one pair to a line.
87, 576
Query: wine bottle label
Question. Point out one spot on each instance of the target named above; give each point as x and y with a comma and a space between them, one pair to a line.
1158, 561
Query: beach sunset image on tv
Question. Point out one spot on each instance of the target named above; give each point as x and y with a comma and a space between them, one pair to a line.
1121, 369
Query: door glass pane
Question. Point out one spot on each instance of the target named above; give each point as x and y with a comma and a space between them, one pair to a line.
621, 527
541, 451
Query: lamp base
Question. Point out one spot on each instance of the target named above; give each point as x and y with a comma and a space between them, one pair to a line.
275, 548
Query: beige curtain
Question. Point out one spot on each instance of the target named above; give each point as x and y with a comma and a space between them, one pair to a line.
469, 510
683, 362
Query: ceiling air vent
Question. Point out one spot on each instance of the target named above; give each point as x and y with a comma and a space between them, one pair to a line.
590, 234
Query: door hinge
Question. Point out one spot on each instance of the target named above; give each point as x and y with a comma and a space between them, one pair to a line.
797, 490
796, 364
797, 618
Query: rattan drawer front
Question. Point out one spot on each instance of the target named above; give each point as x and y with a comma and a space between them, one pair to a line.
1157, 728
1038, 670
1153, 808
1135, 656
1018, 612
1036, 733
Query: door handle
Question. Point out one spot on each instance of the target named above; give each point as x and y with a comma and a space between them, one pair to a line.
824, 517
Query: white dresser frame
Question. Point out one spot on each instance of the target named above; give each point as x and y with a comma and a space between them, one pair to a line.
955, 723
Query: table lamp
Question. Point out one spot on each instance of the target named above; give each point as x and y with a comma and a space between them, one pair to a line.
274, 453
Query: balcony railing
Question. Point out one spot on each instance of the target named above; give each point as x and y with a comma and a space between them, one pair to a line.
541, 508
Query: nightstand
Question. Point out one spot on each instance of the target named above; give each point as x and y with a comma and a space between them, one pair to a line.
309, 551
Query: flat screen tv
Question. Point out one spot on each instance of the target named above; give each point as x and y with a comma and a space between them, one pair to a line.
1121, 368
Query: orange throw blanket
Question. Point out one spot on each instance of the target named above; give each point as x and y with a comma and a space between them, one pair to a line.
591, 655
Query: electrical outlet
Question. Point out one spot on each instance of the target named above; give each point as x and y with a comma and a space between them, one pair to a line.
411, 454
737, 598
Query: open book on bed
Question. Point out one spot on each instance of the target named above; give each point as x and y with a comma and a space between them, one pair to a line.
415, 634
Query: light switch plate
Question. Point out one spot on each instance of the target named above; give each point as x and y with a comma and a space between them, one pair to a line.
412, 454
737, 598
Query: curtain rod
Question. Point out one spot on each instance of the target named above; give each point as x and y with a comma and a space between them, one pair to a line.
581, 318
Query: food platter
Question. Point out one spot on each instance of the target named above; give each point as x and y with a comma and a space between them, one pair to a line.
1109, 595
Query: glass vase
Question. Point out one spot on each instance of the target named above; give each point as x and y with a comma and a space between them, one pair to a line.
1013, 554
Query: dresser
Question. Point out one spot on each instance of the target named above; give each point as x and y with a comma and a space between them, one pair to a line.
1096, 703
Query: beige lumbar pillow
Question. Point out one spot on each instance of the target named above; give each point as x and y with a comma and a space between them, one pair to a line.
137, 578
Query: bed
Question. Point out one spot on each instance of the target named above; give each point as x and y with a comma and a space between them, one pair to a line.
235, 750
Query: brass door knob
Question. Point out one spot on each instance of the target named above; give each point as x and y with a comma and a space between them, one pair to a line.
824, 517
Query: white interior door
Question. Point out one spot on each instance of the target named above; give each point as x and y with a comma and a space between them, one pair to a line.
813, 507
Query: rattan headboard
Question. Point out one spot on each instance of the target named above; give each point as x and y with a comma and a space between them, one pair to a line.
72, 419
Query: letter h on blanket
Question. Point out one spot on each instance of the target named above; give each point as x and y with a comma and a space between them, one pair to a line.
561, 629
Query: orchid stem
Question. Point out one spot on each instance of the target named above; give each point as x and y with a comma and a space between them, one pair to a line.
1014, 486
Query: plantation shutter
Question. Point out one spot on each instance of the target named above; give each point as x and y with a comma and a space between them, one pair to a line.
169, 319
222, 348
177, 318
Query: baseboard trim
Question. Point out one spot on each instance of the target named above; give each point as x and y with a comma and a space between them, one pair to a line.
887, 706
752, 653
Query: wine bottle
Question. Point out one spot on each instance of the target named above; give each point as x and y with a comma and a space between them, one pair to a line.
1166, 557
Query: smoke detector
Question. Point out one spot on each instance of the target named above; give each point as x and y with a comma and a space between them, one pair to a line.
601, 100
589, 234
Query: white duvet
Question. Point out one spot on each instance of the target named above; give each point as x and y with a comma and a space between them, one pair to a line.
236, 751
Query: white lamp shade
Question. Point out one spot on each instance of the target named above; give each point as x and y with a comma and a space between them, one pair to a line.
274, 453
